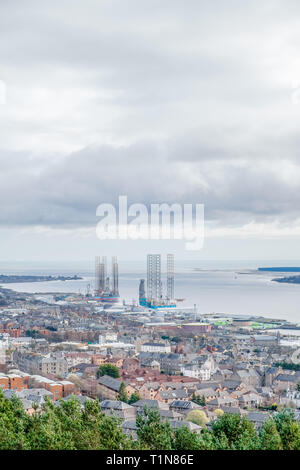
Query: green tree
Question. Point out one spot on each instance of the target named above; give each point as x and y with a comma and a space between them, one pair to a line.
108, 369
112, 436
269, 436
288, 429
199, 400
176, 339
184, 439
123, 395
48, 431
70, 426
13, 423
231, 431
287, 365
153, 434
134, 398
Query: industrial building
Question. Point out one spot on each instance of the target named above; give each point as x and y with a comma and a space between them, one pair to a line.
155, 297
106, 290
154, 277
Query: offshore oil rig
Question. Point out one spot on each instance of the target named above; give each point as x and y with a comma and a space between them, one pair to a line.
155, 298
106, 290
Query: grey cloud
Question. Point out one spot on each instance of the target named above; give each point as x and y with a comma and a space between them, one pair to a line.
69, 191
173, 102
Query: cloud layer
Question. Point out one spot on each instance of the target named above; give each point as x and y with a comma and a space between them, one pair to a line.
163, 101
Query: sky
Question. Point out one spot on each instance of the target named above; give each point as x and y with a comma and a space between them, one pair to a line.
162, 101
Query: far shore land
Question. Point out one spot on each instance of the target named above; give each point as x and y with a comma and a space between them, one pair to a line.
286, 279
10, 279
270, 323
273, 323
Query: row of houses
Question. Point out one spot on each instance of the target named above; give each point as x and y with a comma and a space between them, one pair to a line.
49, 364
175, 412
18, 381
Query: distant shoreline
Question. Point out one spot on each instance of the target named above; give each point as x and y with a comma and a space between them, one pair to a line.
15, 279
288, 280
281, 269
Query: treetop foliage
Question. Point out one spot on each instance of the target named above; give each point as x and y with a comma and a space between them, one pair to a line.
69, 425
108, 369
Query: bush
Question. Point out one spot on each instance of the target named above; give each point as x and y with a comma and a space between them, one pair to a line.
197, 417
108, 369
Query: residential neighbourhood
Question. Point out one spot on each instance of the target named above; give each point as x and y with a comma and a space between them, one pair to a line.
57, 350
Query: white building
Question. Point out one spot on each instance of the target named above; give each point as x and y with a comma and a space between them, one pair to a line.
108, 338
3, 348
202, 372
156, 347
291, 396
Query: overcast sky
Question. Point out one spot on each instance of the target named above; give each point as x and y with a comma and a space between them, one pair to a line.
162, 100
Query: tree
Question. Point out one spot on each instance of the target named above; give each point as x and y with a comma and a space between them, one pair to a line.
184, 439
233, 432
219, 412
123, 395
112, 436
199, 400
197, 417
133, 398
71, 427
153, 434
269, 436
287, 365
176, 339
108, 369
13, 421
32, 333
288, 429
